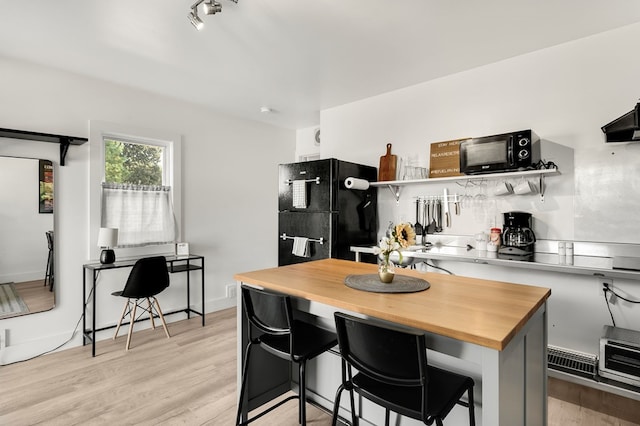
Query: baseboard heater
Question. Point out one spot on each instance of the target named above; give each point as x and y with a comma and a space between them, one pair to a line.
572, 362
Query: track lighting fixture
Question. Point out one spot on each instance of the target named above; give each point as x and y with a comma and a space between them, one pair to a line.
210, 7
195, 19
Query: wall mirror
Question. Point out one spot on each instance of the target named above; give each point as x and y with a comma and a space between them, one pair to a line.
27, 273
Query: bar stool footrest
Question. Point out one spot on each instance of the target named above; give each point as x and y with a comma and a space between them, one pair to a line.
270, 409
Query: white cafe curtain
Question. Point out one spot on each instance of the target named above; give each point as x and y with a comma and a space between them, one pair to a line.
143, 214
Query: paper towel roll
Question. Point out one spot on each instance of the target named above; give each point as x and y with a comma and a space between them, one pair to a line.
355, 183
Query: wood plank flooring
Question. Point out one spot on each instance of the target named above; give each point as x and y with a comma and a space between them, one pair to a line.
35, 295
189, 379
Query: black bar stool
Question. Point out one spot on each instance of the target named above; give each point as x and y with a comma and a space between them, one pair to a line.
48, 276
393, 372
279, 334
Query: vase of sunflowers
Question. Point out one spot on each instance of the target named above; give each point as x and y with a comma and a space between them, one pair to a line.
398, 237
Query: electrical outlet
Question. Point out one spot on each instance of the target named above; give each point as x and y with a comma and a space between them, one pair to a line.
4, 334
231, 291
608, 283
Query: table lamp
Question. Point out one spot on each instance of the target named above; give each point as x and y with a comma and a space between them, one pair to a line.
107, 238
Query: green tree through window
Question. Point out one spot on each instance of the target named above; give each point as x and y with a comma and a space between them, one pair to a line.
132, 163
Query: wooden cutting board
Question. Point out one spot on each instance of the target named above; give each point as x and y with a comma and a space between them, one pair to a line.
387, 169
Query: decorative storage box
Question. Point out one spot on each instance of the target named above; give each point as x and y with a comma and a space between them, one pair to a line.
444, 158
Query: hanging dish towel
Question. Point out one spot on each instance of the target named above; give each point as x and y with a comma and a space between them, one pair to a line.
299, 194
300, 247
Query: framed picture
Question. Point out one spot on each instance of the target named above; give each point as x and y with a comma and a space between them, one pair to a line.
45, 199
182, 249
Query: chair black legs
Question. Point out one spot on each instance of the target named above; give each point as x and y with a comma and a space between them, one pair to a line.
245, 366
302, 410
472, 411
469, 404
48, 276
336, 406
354, 416
346, 384
301, 396
270, 316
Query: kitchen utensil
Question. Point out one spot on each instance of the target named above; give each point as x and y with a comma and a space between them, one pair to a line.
431, 219
438, 215
418, 225
387, 169
447, 213
425, 220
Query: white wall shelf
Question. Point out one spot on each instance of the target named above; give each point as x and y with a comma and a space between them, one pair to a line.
395, 186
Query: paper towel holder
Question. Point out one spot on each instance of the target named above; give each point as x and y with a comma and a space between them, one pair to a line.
355, 183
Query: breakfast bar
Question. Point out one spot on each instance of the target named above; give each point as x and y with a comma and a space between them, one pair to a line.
494, 331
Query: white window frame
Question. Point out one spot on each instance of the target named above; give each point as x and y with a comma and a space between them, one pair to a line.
172, 144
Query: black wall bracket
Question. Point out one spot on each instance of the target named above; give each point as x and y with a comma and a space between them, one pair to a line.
64, 141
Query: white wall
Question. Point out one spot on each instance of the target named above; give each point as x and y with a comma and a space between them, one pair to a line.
565, 94
229, 188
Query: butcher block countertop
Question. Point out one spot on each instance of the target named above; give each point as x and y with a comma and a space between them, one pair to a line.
483, 312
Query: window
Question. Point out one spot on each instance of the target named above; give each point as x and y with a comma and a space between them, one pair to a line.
133, 163
135, 187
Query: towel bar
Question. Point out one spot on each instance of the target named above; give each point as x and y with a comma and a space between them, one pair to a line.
320, 240
316, 180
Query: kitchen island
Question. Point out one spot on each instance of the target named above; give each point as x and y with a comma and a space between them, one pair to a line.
494, 331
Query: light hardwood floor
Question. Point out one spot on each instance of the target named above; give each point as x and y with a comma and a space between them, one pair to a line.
36, 295
189, 379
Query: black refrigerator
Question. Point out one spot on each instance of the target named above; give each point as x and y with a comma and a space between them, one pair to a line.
318, 217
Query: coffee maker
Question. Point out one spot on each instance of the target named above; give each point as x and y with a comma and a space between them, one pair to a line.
518, 239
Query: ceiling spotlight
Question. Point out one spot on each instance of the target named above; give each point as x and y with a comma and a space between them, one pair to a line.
195, 19
211, 7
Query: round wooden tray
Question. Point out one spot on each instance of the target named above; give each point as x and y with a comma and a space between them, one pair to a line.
400, 284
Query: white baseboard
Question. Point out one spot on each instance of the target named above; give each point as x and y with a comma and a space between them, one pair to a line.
26, 350
220, 304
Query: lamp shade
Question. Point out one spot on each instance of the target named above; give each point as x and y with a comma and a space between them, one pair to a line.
108, 237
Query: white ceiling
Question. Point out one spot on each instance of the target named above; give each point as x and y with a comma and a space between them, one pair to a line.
294, 56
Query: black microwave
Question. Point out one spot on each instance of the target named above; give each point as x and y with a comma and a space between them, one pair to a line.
500, 153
